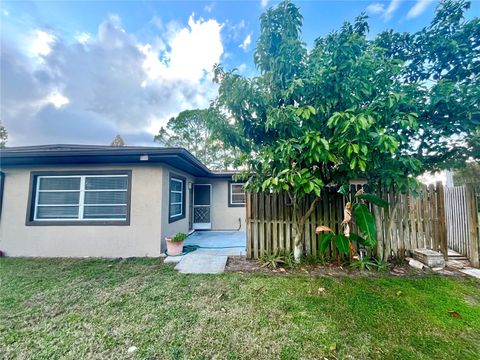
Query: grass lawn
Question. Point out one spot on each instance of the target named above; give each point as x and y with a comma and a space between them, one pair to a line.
99, 308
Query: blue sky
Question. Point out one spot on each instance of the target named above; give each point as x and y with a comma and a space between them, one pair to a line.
81, 72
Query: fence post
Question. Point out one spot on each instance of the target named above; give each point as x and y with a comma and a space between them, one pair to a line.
248, 217
442, 226
473, 225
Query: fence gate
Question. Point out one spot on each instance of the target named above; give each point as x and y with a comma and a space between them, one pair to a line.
461, 217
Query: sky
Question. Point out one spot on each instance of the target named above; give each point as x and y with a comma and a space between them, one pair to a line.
82, 72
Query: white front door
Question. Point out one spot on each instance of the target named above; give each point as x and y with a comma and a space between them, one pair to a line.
202, 200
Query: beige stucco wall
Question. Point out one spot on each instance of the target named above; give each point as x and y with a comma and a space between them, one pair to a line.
223, 216
170, 229
140, 238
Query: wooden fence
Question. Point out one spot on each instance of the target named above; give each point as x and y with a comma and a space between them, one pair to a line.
415, 222
462, 221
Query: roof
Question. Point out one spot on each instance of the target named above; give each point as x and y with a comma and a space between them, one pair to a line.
66, 154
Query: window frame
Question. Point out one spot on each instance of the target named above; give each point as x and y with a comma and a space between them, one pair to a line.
230, 194
31, 219
183, 181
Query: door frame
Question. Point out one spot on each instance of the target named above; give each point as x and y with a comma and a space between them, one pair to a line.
201, 226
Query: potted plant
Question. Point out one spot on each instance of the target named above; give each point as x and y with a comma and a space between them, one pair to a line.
175, 244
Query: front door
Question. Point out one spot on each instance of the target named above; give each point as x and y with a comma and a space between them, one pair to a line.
202, 199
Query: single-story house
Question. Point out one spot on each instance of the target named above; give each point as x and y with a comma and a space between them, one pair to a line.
103, 201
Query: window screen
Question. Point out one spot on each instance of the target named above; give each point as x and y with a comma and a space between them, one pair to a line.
177, 198
81, 197
237, 194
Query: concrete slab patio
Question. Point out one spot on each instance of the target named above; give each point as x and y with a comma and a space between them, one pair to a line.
214, 249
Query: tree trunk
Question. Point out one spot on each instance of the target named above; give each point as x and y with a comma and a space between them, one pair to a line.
299, 221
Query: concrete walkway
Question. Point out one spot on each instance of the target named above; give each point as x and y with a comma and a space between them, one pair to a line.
211, 257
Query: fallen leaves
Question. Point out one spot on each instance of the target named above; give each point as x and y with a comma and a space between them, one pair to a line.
454, 314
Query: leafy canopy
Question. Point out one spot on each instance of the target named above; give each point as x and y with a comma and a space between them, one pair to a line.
385, 109
196, 131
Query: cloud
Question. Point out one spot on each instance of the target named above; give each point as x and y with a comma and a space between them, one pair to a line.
375, 8
83, 37
391, 9
263, 3
246, 43
41, 43
90, 89
209, 7
418, 9
379, 8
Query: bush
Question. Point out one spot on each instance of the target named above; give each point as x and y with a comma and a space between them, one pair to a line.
179, 237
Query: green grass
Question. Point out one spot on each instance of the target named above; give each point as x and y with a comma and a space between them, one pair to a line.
90, 309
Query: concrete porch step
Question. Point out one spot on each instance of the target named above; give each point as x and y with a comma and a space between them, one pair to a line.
202, 264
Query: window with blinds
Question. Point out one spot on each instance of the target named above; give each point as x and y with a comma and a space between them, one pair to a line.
236, 194
176, 198
81, 198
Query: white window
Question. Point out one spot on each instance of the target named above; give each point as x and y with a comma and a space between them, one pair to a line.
176, 198
81, 198
237, 194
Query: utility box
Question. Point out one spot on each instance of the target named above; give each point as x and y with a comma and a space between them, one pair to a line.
429, 257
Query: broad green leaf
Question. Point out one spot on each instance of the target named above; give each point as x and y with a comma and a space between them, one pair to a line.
325, 241
342, 243
364, 220
361, 240
374, 199
344, 189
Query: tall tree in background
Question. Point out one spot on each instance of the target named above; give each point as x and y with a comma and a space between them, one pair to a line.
3, 136
118, 141
352, 107
196, 130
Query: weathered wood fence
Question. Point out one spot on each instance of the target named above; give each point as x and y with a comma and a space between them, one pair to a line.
409, 223
462, 221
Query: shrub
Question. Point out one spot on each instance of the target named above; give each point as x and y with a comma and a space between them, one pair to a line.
179, 237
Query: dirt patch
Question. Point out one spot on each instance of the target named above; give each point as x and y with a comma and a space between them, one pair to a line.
243, 265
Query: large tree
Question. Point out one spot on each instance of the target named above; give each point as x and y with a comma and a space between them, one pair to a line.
3, 136
383, 109
197, 131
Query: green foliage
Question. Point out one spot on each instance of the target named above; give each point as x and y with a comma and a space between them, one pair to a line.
470, 174
384, 109
280, 258
342, 243
3, 136
373, 199
364, 263
118, 141
198, 132
179, 237
365, 222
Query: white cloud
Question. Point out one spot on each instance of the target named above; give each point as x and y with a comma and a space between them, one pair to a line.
115, 85
379, 8
418, 9
375, 8
83, 37
57, 99
246, 43
195, 50
242, 67
209, 7
41, 43
263, 3
391, 9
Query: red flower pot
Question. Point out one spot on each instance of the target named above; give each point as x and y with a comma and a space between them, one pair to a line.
174, 247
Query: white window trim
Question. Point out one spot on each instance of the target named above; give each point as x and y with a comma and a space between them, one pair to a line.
231, 194
181, 198
81, 203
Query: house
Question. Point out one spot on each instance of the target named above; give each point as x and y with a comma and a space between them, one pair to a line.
103, 201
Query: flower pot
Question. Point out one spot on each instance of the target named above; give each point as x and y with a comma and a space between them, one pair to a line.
174, 247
